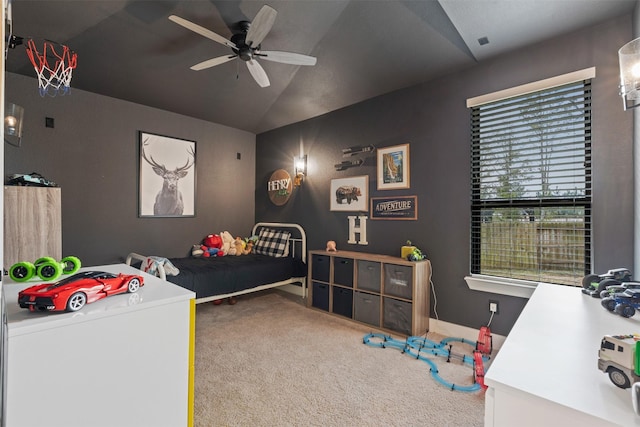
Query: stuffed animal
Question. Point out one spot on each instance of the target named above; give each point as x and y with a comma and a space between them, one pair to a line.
331, 246
196, 251
211, 252
239, 246
211, 246
249, 242
228, 245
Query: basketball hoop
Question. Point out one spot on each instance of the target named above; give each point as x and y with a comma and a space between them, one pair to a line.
52, 80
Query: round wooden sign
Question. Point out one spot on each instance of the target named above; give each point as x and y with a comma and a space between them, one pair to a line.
279, 187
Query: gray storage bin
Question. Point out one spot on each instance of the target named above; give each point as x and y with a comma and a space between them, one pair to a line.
321, 265
398, 280
343, 271
368, 275
367, 308
396, 315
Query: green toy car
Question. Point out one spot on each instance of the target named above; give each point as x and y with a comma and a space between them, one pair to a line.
46, 268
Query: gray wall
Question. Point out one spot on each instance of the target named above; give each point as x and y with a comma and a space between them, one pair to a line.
636, 153
434, 119
92, 153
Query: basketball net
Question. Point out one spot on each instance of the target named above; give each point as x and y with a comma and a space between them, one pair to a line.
52, 80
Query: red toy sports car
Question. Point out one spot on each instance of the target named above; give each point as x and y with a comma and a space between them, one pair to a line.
73, 292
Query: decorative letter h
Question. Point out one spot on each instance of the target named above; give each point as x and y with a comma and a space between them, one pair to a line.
361, 229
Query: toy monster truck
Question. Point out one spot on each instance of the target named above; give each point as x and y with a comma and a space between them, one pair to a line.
594, 284
614, 289
623, 303
46, 268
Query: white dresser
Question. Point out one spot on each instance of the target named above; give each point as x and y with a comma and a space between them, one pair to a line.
126, 360
546, 373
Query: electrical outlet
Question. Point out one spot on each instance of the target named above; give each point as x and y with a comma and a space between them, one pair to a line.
493, 306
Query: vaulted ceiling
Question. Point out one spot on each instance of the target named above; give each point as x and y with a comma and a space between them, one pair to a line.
364, 48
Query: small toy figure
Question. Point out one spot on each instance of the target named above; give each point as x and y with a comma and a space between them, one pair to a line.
331, 246
416, 254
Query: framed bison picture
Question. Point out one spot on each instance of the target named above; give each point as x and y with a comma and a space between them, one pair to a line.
350, 194
167, 176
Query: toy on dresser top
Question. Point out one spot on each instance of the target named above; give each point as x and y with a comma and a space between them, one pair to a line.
619, 358
596, 284
47, 268
412, 253
73, 292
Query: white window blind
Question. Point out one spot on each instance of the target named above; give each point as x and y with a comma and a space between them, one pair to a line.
531, 185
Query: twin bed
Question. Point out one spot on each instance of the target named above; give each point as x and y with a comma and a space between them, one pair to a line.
278, 260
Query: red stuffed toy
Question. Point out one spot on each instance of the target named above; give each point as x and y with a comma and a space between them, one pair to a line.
211, 246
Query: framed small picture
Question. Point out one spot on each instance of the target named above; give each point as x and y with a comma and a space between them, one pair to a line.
398, 208
350, 194
167, 176
393, 167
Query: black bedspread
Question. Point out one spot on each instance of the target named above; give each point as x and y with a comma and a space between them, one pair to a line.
227, 274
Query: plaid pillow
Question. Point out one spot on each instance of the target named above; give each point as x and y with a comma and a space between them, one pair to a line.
273, 243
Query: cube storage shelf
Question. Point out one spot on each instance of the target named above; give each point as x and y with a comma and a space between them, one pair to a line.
386, 292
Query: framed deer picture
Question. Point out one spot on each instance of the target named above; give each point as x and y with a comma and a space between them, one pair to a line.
167, 176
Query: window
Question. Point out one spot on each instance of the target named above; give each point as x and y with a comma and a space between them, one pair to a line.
531, 185
606, 345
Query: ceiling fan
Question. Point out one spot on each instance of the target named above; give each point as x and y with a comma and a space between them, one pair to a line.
246, 45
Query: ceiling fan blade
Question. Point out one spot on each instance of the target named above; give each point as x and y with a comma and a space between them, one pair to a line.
287, 57
258, 73
202, 31
261, 25
213, 62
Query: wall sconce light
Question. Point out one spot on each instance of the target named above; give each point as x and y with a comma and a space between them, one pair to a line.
13, 121
629, 57
300, 169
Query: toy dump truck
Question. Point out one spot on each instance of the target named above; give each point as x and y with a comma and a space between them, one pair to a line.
619, 356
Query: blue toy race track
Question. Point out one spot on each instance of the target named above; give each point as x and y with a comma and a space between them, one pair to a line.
420, 347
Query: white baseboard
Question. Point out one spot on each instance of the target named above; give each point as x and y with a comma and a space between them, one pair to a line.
452, 330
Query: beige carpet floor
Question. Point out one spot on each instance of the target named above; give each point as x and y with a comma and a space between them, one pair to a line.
270, 361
